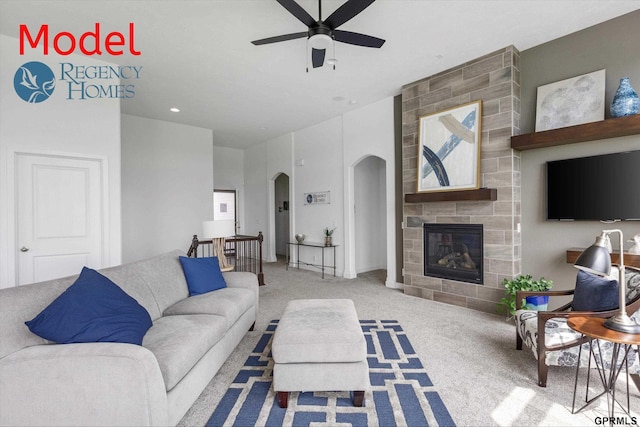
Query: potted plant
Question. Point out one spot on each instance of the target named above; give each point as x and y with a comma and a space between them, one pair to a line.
328, 232
525, 283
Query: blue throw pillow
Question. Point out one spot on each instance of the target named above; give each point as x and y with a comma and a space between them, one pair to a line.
93, 309
203, 274
594, 293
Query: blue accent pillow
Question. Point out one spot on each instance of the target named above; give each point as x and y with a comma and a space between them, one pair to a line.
203, 274
92, 309
595, 293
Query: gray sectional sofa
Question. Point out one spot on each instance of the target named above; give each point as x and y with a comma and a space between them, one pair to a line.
43, 383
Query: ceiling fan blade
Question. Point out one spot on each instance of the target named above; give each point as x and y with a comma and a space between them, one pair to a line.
281, 38
296, 10
347, 11
357, 39
317, 57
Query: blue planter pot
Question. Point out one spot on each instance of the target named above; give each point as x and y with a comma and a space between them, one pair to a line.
538, 303
625, 101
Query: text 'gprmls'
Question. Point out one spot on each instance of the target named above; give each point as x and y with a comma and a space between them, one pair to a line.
90, 43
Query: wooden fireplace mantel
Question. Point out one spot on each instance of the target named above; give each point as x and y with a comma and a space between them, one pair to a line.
481, 194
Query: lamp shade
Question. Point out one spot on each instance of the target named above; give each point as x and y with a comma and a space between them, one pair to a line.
596, 258
218, 229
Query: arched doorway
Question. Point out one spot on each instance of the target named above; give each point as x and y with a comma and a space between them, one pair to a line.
370, 215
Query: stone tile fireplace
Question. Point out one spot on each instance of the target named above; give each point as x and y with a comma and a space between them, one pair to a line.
494, 79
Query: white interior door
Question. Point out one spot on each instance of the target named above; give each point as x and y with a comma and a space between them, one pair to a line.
59, 216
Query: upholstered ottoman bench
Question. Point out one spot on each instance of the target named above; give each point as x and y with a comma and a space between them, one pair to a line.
319, 346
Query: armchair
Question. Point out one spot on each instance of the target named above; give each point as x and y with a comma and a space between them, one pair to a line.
554, 343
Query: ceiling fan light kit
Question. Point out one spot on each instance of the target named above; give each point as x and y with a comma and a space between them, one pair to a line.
323, 34
320, 41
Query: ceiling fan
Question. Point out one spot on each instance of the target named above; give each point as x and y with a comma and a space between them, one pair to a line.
321, 34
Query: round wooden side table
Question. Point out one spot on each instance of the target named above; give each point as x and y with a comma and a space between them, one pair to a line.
593, 328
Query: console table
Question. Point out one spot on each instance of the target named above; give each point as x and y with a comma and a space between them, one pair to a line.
320, 246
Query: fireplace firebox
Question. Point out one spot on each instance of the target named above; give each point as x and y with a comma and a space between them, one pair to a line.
454, 251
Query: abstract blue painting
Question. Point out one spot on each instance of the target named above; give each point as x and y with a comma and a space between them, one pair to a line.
449, 149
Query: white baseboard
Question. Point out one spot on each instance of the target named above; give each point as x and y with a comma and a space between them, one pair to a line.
368, 269
394, 285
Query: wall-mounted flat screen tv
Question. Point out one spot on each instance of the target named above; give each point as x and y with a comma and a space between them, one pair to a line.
605, 187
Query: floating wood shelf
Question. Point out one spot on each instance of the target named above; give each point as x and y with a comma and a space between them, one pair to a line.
631, 260
481, 194
605, 129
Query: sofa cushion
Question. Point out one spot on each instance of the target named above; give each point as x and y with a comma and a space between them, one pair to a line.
129, 280
21, 303
92, 309
593, 293
203, 274
231, 303
178, 342
164, 276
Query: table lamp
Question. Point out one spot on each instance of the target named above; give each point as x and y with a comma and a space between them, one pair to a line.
217, 230
597, 260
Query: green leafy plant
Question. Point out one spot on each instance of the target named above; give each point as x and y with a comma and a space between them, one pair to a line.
328, 232
507, 304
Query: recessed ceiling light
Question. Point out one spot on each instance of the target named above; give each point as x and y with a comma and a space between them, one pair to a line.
353, 102
174, 110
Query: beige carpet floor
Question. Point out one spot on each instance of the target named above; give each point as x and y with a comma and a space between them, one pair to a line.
469, 355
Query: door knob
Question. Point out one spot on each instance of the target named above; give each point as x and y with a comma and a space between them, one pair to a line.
24, 249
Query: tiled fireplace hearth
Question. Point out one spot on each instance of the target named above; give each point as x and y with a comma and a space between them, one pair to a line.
494, 79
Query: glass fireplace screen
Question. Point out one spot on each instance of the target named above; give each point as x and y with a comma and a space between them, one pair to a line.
454, 251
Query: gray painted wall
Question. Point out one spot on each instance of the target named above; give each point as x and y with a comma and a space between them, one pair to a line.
612, 46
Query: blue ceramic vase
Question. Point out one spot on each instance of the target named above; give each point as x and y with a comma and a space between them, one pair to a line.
625, 101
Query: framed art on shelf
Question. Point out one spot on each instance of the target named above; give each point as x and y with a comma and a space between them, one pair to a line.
571, 102
449, 149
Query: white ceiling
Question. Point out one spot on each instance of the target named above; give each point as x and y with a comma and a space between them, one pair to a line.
197, 54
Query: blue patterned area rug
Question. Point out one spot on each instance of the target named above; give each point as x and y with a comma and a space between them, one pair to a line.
401, 392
